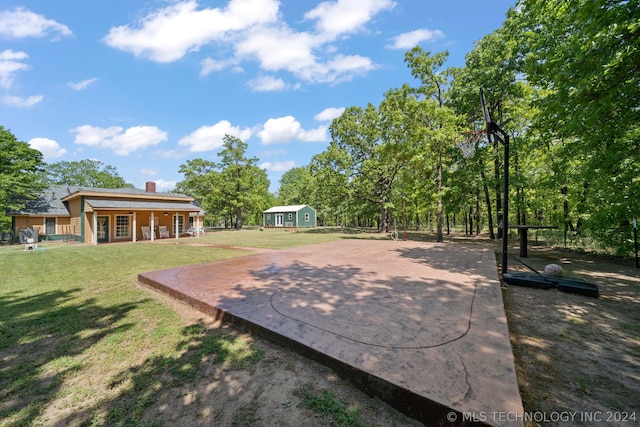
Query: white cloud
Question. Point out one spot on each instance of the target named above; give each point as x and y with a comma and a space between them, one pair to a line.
162, 185
211, 65
253, 30
149, 172
329, 114
114, 139
282, 49
17, 101
20, 23
267, 84
413, 38
346, 16
285, 129
343, 68
278, 166
168, 34
10, 63
49, 148
207, 138
81, 85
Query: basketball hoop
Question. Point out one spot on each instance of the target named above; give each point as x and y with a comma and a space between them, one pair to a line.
469, 143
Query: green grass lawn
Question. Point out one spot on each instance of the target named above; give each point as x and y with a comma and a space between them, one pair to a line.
77, 331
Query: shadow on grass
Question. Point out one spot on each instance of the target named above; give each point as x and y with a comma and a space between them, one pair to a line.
160, 380
38, 335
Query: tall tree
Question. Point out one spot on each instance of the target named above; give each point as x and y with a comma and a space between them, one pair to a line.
20, 168
583, 55
587, 54
85, 173
234, 186
331, 194
436, 125
375, 157
296, 187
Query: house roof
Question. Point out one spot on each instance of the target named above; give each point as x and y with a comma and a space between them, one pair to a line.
141, 205
52, 201
123, 193
293, 208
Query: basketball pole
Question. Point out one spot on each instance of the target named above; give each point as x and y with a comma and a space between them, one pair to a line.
504, 138
505, 215
494, 129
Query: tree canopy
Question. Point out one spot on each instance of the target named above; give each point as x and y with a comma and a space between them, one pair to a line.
234, 187
85, 173
20, 167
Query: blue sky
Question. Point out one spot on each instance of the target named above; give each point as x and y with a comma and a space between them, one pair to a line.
146, 86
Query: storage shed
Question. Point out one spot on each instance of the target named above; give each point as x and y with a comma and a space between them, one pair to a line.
289, 216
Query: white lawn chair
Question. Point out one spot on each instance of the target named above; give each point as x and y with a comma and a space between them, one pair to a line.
163, 231
146, 233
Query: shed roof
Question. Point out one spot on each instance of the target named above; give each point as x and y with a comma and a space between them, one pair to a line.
293, 208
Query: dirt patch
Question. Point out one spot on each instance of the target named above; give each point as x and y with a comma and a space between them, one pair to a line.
577, 358
266, 394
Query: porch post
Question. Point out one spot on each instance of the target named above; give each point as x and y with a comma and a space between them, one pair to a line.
177, 231
153, 226
94, 233
134, 226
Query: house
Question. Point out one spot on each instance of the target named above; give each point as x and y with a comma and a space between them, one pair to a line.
101, 215
289, 216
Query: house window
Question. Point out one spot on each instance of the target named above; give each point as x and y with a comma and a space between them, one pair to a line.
268, 216
122, 227
290, 216
306, 217
180, 223
50, 226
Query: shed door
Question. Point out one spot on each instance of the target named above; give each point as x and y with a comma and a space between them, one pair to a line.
279, 220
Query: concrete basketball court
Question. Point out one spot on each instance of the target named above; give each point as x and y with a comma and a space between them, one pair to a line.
420, 325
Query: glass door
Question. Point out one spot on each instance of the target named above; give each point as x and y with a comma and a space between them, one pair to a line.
103, 229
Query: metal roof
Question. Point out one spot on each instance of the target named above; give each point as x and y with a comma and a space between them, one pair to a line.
293, 208
50, 202
124, 191
141, 205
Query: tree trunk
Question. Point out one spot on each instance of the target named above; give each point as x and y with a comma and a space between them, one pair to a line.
477, 214
448, 230
384, 219
239, 219
439, 218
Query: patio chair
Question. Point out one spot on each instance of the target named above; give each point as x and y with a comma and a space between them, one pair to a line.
146, 232
163, 231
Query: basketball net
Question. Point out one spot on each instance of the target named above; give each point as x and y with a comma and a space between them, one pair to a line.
469, 143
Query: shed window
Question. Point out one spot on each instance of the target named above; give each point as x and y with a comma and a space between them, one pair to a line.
290, 216
268, 216
306, 217
122, 226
